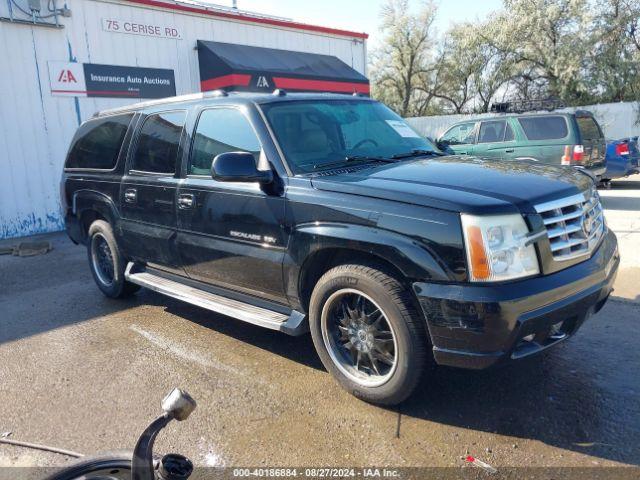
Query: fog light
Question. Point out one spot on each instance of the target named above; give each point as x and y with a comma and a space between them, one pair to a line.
529, 338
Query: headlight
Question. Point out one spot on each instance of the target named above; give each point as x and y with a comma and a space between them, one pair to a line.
496, 248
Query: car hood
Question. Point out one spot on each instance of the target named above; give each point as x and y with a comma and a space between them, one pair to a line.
461, 183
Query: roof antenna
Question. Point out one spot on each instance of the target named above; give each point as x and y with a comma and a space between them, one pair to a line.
279, 92
234, 4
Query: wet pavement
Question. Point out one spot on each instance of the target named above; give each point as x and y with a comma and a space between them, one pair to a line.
86, 373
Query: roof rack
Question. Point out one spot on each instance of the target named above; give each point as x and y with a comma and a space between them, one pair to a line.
162, 101
521, 106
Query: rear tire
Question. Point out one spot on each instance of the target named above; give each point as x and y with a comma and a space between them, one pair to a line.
368, 333
106, 262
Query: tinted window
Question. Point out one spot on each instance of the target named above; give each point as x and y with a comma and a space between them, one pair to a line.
221, 130
589, 129
492, 131
158, 143
544, 128
97, 143
460, 134
318, 134
508, 133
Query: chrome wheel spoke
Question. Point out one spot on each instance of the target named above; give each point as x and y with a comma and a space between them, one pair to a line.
383, 356
360, 339
372, 361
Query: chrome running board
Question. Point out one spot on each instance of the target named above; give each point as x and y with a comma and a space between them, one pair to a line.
293, 323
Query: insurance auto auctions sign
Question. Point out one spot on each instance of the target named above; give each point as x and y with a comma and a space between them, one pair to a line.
96, 80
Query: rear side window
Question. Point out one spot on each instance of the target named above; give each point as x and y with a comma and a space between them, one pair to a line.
158, 143
97, 143
221, 130
589, 129
544, 127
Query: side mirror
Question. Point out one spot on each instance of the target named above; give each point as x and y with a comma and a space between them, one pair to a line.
238, 167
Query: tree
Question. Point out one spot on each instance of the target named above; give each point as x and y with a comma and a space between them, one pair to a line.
547, 42
404, 58
615, 71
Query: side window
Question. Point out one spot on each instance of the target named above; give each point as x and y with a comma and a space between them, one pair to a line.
460, 134
492, 131
158, 143
544, 127
221, 130
508, 133
97, 143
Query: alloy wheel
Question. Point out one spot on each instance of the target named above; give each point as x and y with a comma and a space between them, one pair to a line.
359, 338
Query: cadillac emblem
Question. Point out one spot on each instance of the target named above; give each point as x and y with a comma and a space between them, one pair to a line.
587, 225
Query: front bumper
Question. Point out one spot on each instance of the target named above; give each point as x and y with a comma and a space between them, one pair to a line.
477, 326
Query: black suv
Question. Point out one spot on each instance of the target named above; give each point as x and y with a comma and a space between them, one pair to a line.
328, 213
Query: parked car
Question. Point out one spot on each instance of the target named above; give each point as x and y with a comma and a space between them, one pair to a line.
555, 138
622, 158
329, 213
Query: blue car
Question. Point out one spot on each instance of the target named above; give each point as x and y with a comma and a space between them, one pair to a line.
621, 158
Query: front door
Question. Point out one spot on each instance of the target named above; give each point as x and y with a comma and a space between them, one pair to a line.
229, 233
148, 191
459, 139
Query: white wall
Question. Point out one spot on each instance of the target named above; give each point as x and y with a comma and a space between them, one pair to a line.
36, 127
618, 120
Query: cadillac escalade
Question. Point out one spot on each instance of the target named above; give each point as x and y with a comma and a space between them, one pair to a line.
328, 213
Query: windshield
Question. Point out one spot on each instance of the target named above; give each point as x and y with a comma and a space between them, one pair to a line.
318, 134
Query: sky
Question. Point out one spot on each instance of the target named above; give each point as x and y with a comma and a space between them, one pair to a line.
361, 15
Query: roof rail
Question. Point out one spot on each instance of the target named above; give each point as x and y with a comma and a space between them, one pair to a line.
521, 106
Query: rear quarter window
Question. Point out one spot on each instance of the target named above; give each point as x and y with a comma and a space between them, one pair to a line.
544, 127
97, 143
589, 129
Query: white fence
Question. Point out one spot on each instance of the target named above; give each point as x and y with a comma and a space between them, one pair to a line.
618, 120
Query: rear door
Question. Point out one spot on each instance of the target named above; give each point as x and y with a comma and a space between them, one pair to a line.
148, 190
459, 139
491, 139
592, 140
544, 138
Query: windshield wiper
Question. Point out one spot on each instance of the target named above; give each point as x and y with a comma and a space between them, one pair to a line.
416, 153
352, 159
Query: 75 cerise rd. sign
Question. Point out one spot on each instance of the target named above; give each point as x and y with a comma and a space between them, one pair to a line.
118, 25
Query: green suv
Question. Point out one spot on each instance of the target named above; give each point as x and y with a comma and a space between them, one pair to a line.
553, 138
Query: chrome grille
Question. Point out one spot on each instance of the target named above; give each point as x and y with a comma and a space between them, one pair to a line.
574, 224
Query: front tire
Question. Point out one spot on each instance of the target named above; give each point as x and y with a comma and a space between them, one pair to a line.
116, 465
368, 333
106, 262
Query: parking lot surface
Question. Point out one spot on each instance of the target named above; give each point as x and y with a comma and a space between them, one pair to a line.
86, 373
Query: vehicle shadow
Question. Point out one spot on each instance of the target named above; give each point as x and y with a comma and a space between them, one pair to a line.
580, 396
298, 349
625, 185
621, 203
565, 398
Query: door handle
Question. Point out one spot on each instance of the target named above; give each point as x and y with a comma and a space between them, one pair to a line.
130, 195
186, 200
509, 150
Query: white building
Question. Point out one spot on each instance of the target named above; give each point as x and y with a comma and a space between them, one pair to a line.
60, 67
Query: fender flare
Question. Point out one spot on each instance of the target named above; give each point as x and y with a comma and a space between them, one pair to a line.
84, 200
412, 258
